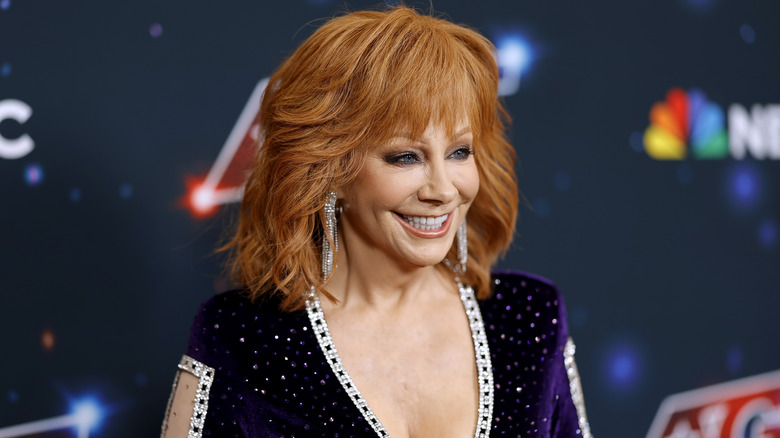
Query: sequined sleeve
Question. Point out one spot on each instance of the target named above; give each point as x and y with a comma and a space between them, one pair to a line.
181, 395
218, 407
571, 418
575, 388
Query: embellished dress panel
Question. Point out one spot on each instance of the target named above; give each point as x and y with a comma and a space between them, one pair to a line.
525, 321
271, 378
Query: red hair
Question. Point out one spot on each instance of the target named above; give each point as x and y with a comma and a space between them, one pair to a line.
356, 82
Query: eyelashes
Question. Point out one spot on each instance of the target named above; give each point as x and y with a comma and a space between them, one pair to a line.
461, 153
402, 159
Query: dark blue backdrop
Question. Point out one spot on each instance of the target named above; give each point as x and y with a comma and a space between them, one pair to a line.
669, 268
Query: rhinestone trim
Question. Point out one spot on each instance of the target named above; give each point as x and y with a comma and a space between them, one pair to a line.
482, 353
484, 365
201, 403
575, 387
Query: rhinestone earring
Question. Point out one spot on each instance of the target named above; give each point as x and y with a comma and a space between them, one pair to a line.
463, 249
461, 242
331, 229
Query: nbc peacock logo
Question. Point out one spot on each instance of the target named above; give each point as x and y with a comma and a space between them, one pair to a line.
686, 125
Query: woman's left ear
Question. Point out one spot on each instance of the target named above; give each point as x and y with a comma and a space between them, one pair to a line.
342, 194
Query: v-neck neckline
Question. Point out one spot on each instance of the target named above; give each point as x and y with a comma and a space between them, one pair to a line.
481, 352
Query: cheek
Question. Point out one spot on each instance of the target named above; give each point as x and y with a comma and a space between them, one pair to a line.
469, 183
385, 189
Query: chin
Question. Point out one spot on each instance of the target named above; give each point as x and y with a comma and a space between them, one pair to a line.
423, 260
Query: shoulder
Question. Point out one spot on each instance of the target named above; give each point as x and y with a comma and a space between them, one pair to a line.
234, 305
528, 302
226, 322
519, 285
223, 308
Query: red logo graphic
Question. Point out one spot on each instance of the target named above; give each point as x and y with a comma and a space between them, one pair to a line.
225, 181
745, 408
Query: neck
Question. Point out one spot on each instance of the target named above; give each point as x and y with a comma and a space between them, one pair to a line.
374, 281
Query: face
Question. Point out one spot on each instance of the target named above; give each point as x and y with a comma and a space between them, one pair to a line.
410, 197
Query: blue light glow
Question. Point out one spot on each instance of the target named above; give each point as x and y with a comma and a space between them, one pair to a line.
623, 366
541, 207
744, 188
734, 359
767, 233
700, 5
5, 70
747, 33
75, 194
88, 414
13, 396
33, 174
125, 191
562, 181
5, 4
515, 56
156, 30
637, 142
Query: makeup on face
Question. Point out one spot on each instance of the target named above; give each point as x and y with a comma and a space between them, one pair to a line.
407, 196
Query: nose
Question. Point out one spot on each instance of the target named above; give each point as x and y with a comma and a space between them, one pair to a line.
439, 186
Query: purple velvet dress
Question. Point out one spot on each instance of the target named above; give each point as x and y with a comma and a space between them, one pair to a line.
263, 373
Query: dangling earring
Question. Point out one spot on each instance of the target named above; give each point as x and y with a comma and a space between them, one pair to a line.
463, 249
461, 243
331, 229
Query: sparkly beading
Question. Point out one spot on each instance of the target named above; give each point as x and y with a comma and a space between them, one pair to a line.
481, 350
575, 387
484, 366
463, 251
271, 378
320, 327
205, 375
331, 230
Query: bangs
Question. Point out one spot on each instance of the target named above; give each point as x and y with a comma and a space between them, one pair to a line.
418, 70
438, 95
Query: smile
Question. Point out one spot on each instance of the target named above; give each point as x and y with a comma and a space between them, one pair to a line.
426, 227
426, 223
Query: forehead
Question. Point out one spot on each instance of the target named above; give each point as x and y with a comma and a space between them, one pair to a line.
436, 131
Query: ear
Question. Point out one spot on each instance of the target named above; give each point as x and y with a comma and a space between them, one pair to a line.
343, 195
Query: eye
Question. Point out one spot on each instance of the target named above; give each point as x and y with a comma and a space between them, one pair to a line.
462, 152
403, 158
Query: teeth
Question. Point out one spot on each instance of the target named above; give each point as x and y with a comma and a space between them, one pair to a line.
426, 223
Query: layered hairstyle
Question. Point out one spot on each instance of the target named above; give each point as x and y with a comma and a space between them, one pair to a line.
358, 81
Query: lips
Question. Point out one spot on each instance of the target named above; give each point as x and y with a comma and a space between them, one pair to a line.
427, 227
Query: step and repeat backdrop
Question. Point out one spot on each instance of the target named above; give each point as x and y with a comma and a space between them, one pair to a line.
648, 138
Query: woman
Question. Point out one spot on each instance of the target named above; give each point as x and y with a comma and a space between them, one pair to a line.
383, 193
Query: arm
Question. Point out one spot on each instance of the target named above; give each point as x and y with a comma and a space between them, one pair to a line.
569, 411
188, 403
204, 399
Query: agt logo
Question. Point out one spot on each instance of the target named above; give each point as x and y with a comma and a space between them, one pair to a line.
11, 149
689, 125
745, 408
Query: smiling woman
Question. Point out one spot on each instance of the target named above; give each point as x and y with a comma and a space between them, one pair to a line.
434, 180
383, 194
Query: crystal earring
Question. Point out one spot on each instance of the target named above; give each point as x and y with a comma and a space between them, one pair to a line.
463, 249
331, 230
461, 242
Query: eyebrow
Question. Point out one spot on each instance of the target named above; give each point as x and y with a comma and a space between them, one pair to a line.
406, 135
